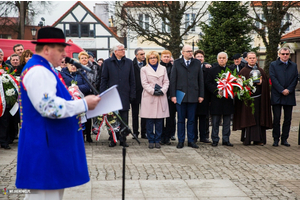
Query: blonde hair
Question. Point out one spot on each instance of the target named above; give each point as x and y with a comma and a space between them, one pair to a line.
152, 53
166, 52
83, 53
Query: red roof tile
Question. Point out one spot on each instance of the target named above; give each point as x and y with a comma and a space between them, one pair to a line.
291, 35
258, 3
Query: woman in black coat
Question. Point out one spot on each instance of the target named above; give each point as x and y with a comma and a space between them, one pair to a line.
70, 74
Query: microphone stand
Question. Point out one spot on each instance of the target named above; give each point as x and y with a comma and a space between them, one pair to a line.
124, 132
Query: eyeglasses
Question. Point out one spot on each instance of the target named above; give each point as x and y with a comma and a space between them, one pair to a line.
285, 54
152, 58
189, 51
120, 50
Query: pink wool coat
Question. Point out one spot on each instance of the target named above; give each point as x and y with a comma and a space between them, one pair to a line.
154, 106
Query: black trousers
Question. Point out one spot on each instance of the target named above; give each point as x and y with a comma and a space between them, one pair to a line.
88, 129
5, 135
287, 109
124, 115
202, 127
170, 126
135, 120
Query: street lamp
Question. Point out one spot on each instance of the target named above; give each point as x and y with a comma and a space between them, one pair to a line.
33, 32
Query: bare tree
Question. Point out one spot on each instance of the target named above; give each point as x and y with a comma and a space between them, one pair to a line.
165, 25
14, 15
272, 27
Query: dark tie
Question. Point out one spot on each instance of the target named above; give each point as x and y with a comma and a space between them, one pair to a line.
188, 63
140, 64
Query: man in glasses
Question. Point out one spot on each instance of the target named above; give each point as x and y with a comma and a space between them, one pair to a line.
186, 78
284, 76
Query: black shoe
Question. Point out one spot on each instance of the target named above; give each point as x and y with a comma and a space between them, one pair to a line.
205, 140
136, 135
167, 142
112, 144
173, 138
193, 145
162, 142
285, 143
157, 145
227, 144
151, 145
180, 145
89, 140
214, 144
195, 141
5, 146
275, 144
144, 137
126, 145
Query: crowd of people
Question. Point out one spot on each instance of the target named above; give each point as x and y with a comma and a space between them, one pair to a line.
155, 87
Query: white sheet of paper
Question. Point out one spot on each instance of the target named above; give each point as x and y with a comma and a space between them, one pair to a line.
14, 109
110, 101
83, 119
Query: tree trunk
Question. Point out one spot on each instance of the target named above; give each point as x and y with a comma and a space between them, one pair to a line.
22, 20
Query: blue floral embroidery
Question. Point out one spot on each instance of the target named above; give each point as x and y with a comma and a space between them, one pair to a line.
48, 108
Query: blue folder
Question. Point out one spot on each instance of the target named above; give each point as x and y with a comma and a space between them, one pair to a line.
179, 96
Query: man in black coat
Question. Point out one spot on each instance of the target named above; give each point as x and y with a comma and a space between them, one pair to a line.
186, 77
238, 64
219, 106
202, 112
170, 126
118, 70
138, 62
284, 76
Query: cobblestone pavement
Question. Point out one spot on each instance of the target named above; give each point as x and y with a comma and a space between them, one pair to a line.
258, 172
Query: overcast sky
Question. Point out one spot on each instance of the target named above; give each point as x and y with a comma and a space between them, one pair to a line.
59, 8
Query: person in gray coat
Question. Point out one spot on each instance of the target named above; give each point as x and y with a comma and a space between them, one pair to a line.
118, 70
284, 77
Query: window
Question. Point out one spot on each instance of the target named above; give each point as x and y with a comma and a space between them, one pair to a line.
74, 30
85, 30
144, 21
189, 19
286, 18
165, 27
258, 24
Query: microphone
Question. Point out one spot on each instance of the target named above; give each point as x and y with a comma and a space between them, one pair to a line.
78, 65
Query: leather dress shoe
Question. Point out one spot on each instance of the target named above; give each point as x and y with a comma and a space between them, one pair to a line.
144, 137
214, 144
151, 145
112, 144
126, 145
205, 141
227, 144
173, 138
285, 143
180, 145
193, 145
275, 144
5, 146
89, 140
157, 145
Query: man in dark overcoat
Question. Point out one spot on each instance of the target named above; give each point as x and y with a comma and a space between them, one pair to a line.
118, 70
187, 77
219, 106
237, 63
138, 62
284, 76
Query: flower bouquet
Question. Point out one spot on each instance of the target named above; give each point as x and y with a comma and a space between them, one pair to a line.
8, 89
111, 122
232, 85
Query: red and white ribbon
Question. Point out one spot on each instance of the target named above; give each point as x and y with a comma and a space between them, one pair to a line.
111, 129
226, 85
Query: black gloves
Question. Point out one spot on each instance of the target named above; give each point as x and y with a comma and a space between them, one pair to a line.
158, 92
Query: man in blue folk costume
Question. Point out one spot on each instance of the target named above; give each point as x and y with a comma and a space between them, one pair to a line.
51, 154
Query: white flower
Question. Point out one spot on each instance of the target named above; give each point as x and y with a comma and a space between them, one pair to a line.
241, 92
254, 89
10, 92
223, 75
239, 81
244, 78
18, 78
5, 78
251, 82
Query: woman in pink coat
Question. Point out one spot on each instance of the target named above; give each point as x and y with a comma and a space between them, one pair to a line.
154, 104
